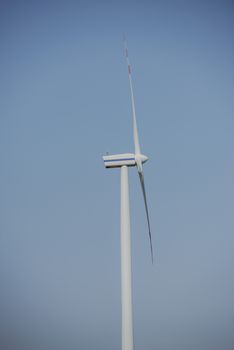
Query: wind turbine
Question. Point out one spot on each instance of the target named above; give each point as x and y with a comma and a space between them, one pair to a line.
123, 161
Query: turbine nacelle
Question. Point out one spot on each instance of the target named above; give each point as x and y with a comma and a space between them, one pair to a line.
128, 159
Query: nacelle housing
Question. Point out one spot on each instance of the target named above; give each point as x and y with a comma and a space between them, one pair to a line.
118, 160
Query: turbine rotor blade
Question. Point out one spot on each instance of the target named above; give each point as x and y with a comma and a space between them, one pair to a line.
135, 130
139, 164
138, 155
141, 176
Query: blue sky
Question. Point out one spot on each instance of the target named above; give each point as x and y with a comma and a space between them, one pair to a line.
64, 103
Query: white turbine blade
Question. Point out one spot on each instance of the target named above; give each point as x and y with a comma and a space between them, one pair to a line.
135, 131
141, 176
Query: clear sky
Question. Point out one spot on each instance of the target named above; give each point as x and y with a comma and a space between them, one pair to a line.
64, 102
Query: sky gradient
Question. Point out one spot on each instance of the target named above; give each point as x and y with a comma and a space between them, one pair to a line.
65, 102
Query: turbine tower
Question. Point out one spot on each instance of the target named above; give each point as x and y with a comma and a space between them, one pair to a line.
123, 161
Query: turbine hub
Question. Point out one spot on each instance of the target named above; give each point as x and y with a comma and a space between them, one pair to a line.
141, 157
